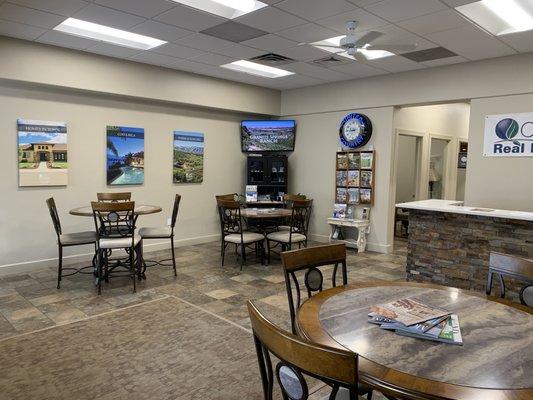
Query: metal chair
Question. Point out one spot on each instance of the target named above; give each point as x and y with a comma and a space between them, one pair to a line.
288, 201
115, 225
68, 240
114, 196
165, 232
232, 231
298, 357
299, 224
514, 267
309, 260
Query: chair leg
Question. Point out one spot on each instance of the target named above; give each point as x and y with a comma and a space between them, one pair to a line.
223, 251
173, 255
60, 266
369, 394
243, 255
99, 268
268, 251
132, 270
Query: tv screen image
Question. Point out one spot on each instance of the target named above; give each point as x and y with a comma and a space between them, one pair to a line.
259, 136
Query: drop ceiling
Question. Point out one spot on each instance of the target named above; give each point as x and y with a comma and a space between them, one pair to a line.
200, 42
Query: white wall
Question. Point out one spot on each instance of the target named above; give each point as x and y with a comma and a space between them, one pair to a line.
406, 170
26, 232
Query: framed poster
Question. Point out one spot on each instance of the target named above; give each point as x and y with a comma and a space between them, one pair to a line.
188, 164
125, 155
508, 135
42, 153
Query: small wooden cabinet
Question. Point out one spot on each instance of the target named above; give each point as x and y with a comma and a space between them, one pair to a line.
269, 173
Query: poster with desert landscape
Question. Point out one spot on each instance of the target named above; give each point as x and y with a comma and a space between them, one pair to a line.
125, 155
42, 153
188, 164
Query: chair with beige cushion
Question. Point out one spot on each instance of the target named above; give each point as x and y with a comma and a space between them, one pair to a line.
233, 233
297, 233
164, 232
67, 240
115, 225
288, 200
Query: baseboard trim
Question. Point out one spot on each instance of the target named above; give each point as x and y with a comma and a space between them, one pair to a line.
28, 266
370, 246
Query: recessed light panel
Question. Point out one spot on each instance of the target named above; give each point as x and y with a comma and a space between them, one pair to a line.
252, 68
224, 8
107, 34
500, 17
335, 41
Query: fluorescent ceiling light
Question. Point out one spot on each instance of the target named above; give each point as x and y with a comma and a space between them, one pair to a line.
249, 67
335, 41
500, 17
103, 33
224, 8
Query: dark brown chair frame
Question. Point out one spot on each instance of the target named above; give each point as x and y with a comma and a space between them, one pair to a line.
115, 220
514, 267
335, 367
50, 202
114, 196
309, 260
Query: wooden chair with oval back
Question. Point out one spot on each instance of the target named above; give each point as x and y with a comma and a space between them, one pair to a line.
232, 231
115, 225
288, 201
309, 260
68, 240
298, 357
113, 197
297, 233
164, 232
513, 267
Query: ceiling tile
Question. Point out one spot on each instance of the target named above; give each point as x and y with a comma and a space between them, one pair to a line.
270, 43
308, 33
108, 17
397, 10
203, 42
175, 50
471, 43
161, 31
445, 61
315, 9
61, 7
149, 57
142, 8
270, 19
363, 3
29, 16
20, 31
295, 81
234, 31
213, 59
521, 41
188, 65
359, 70
64, 40
364, 19
314, 71
108, 49
238, 51
304, 53
457, 3
434, 22
188, 18
395, 64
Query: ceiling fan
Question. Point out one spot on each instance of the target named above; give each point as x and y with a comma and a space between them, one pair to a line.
359, 47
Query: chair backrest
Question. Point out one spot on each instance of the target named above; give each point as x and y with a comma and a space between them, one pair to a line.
299, 357
288, 199
114, 196
514, 267
301, 213
308, 260
54, 214
229, 196
114, 220
175, 209
230, 217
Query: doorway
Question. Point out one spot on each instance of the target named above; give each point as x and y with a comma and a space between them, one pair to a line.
438, 168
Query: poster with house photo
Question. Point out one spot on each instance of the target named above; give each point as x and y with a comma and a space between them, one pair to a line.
42, 153
188, 157
125, 155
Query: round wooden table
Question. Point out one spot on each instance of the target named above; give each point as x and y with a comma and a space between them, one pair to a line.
141, 209
494, 363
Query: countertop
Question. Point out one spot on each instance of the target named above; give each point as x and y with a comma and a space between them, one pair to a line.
457, 207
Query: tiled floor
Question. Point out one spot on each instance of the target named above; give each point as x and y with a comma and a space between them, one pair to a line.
30, 302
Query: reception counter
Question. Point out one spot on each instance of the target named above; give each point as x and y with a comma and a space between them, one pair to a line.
449, 243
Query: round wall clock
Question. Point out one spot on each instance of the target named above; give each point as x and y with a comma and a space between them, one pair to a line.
355, 130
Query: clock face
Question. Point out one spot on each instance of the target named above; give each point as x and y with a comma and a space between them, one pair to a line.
355, 130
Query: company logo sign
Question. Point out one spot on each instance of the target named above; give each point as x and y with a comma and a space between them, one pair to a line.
509, 135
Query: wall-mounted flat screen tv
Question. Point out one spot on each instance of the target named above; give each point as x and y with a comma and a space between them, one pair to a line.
262, 136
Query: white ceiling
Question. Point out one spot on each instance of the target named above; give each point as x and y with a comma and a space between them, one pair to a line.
430, 23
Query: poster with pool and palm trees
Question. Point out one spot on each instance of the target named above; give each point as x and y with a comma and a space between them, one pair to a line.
125, 155
42, 153
188, 157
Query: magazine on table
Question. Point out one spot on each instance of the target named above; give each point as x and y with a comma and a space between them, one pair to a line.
448, 331
409, 311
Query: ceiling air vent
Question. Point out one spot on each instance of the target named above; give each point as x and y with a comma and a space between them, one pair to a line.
272, 59
328, 61
434, 53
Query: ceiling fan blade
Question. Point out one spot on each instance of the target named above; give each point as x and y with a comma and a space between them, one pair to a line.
393, 48
368, 38
358, 56
328, 46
